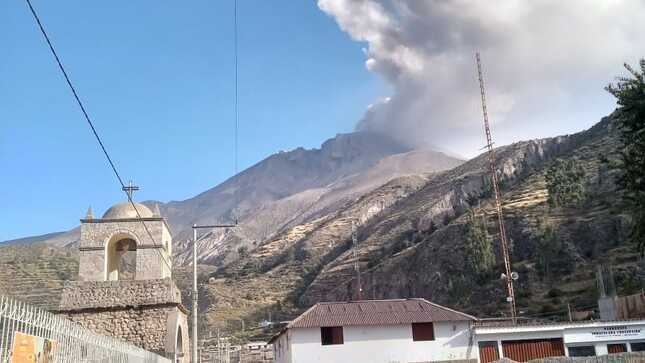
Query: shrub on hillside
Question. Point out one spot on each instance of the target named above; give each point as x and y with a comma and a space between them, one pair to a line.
565, 183
552, 256
478, 246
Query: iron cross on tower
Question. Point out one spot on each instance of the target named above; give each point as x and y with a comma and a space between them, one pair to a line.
130, 189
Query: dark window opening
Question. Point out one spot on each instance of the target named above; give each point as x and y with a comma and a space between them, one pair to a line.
330, 335
582, 351
422, 331
638, 347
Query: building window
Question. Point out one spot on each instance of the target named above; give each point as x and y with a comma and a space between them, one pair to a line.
422, 331
638, 347
582, 351
330, 335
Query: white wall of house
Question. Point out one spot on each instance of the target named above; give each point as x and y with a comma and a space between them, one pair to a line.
379, 343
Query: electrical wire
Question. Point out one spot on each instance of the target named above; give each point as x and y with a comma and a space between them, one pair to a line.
91, 124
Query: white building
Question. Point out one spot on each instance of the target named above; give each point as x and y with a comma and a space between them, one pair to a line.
573, 339
403, 330
416, 330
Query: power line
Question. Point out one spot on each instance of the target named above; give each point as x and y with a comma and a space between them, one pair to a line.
89, 122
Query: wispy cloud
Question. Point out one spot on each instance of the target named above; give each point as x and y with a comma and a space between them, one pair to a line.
546, 62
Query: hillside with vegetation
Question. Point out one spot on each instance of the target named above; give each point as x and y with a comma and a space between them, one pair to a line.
435, 236
431, 235
570, 203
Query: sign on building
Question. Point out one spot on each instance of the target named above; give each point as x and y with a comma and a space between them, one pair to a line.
604, 333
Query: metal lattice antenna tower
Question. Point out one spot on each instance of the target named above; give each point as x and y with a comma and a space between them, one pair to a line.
498, 204
356, 265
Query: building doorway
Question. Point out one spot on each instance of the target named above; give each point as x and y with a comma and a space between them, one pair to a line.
525, 350
616, 348
488, 352
179, 346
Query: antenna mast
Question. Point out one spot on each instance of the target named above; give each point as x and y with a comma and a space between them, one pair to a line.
356, 266
508, 276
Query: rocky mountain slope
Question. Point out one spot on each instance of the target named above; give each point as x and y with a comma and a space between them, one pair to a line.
411, 242
280, 191
283, 190
59, 239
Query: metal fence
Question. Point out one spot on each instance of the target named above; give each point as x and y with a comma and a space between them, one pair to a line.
635, 357
29, 334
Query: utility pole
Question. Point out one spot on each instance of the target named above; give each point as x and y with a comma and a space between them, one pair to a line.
356, 264
194, 357
509, 276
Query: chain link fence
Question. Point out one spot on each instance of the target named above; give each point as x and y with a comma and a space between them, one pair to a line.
30, 334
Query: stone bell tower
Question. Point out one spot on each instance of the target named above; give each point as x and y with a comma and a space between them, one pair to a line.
124, 287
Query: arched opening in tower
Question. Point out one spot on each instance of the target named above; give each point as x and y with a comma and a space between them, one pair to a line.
179, 351
122, 260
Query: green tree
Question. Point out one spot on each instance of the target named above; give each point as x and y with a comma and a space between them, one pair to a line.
552, 255
565, 183
548, 248
630, 118
243, 251
478, 245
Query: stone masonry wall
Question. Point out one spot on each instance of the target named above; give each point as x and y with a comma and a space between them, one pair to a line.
142, 326
146, 313
95, 234
101, 294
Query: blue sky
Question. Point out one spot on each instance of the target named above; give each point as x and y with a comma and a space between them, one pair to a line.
157, 78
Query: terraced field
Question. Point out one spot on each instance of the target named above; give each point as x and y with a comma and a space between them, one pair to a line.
35, 273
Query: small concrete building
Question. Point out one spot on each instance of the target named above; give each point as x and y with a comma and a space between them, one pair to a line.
524, 342
401, 330
124, 287
416, 330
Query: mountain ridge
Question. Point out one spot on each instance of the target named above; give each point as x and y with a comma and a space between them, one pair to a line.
411, 243
280, 190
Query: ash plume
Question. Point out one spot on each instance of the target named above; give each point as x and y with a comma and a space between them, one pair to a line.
545, 62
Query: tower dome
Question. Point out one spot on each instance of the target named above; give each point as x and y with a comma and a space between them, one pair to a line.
126, 211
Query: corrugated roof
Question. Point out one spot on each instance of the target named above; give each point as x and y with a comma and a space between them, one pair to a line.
376, 312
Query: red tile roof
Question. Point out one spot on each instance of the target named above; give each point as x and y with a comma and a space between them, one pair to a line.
376, 312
